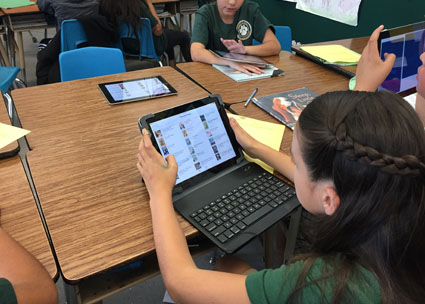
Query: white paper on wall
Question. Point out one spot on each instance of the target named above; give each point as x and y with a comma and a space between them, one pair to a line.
345, 11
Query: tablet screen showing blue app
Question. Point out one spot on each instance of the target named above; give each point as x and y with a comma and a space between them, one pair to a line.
407, 43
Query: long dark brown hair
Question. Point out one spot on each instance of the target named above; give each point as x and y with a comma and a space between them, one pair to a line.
124, 11
372, 146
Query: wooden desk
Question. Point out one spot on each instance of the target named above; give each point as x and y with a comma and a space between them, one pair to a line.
83, 164
299, 73
19, 214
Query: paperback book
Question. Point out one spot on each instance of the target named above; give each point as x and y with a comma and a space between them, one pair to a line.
287, 106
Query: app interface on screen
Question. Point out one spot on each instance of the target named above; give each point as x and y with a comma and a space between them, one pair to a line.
137, 89
197, 139
407, 48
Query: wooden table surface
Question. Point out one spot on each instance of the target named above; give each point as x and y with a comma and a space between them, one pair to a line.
22, 10
19, 214
83, 164
300, 73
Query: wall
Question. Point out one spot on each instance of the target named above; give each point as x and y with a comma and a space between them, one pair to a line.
308, 28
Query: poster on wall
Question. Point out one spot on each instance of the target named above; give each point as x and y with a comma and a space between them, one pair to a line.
345, 11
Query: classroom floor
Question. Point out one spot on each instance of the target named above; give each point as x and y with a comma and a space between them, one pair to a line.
151, 291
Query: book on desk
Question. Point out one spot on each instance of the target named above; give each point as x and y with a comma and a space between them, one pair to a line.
240, 76
286, 106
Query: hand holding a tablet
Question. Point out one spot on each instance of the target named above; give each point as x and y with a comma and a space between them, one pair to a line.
159, 175
371, 70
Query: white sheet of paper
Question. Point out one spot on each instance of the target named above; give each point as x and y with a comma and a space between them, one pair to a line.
345, 11
9, 134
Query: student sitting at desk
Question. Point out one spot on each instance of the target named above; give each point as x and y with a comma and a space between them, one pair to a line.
359, 167
372, 71
130, 11
231, 25
22, 278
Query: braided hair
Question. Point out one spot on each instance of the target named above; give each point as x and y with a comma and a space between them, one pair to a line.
372, 146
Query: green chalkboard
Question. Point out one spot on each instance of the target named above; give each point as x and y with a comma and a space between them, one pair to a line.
309, 28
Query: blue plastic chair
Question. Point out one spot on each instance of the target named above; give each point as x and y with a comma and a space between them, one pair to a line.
7, 78
72, 34
284, 35
146, 46
90, 62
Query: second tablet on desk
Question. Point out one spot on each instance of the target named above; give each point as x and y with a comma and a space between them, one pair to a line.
136, 89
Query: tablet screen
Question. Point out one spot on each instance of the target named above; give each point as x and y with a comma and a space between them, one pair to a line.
197, 137
136, 89
407, 43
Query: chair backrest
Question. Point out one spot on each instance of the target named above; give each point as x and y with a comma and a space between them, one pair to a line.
90, 62
72, 34
146, 45
284, 35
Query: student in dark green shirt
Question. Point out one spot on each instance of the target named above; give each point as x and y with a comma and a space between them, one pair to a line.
22, 278
358, 165
231, 25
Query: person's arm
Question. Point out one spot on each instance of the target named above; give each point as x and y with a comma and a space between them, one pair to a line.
279, 161
270, 46
31, 282
45, 6
420, 88
371, 70
184, 281
157, 29
199, 53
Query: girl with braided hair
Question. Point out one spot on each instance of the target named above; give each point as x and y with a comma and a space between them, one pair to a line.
359, 168
358, 165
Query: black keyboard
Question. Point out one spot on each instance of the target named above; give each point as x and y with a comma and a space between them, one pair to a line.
234, 212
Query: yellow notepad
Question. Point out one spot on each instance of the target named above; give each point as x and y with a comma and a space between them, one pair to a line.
333, 53
268, 133
9, 134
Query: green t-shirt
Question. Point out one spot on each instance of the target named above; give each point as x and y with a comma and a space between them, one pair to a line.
7, 293
248, 23
274, 286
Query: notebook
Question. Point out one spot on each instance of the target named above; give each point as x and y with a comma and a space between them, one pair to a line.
217, 190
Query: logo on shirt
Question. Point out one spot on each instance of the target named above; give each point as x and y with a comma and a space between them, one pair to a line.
244, 30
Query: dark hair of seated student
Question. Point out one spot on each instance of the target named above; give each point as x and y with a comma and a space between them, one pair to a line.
377, 164
126, 11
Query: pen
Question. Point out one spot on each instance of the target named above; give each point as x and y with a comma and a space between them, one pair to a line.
250, 97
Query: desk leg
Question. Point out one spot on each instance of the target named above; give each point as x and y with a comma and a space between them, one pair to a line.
21, 55
12, 45
292, 233
4, 54
70, 293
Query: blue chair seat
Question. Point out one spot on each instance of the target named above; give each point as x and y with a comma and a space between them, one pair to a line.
7, 77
